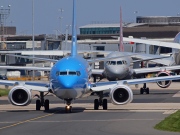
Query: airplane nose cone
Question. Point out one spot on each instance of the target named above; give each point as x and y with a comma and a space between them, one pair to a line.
67, 83
116, 71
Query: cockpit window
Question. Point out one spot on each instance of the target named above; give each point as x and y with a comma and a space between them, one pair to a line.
63, 73
57, 73
72, 73
119, 62
107, 63
78, 73
112, 62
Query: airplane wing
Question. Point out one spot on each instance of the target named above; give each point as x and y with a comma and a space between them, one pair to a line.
35, 58
150, 42
164, 60
37, 86
89, 60
167, 60
106, 58
54, 52
103, 86
26, 68
155, 69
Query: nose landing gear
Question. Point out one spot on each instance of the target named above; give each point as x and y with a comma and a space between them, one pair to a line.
68, 108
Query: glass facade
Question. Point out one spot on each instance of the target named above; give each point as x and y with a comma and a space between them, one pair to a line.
105, 30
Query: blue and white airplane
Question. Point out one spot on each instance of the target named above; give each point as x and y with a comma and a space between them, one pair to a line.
69, 80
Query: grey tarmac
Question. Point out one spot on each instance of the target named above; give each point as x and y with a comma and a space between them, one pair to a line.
136, 118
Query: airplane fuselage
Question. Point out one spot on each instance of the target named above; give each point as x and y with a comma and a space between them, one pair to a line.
117, 69
69, 77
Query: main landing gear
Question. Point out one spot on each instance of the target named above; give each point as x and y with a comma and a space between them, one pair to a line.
41, 102
144, 89
100, 102
68, 108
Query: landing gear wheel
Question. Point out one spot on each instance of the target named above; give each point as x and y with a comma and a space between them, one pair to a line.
141, 91
46, 105
147, 90
38, 105
96, 104
68, 109
104, 104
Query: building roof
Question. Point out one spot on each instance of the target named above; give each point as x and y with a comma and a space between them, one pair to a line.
112, 25
100, 25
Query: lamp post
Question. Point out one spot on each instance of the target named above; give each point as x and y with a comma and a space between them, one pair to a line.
60, 18
33, 35
135, 12
66, 38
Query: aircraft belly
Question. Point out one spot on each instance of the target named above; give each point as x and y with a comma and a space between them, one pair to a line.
69, 93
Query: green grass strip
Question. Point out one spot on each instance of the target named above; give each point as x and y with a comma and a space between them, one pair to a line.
4, 92
170, 123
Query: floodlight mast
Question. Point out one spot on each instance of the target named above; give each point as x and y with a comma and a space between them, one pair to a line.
33, 74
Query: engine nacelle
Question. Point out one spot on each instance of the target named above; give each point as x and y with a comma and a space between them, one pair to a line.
121, 94
20, 96
177, 58
163, 84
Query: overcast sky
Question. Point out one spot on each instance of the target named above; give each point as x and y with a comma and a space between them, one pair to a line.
88, 11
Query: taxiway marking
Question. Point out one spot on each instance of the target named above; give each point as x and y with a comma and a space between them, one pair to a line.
177, 94
26, 121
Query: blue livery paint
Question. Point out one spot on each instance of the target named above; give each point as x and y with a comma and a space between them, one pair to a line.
69, 77
68, 85
74, 34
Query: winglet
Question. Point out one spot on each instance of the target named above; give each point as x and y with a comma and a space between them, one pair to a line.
121, 45
74, 33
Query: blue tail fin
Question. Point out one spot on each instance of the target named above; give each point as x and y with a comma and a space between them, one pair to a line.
74, 33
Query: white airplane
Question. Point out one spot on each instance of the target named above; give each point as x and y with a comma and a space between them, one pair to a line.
122, 68
69, 80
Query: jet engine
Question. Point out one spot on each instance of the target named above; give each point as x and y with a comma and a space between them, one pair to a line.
121, 94
20, 96
163, 84
177, 58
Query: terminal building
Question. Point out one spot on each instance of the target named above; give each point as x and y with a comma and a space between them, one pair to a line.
161, 27
149, 27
